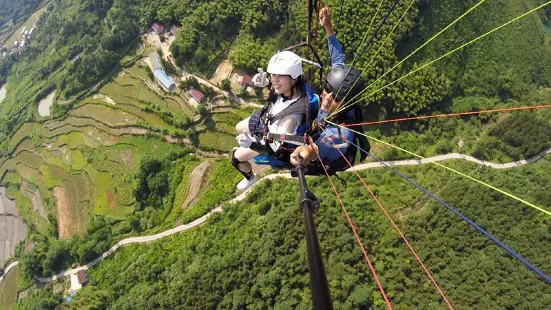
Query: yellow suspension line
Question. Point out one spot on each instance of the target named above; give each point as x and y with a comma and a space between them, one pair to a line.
459, 48
453, 170
381, 46
434, 37
356, 55
367, 32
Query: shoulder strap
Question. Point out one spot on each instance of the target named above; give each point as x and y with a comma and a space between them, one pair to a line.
297, 107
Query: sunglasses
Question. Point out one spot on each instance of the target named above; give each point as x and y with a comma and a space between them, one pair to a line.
330, 90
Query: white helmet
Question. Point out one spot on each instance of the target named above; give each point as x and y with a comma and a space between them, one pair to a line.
285, 63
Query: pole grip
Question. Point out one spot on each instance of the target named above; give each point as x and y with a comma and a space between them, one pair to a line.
321, 298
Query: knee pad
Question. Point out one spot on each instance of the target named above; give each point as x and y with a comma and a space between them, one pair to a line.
235, 162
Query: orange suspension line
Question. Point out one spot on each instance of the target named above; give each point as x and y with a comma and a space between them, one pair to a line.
447, 115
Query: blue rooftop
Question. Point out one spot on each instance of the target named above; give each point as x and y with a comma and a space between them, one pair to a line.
164, 79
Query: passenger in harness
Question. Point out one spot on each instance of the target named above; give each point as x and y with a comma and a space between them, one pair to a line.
278, 128
329, 140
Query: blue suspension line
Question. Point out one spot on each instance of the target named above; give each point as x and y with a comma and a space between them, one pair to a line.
480, 229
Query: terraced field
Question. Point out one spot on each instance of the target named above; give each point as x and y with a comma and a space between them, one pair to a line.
138, 72
24, 131
103, 181
8, 289
182, 192
153, 147
24, 145
72, 218
217, 140
8, 165
79, 161
12, 229
36, 199
149, 118
111, 117
84, 164
30, 159
126, 80
119, 93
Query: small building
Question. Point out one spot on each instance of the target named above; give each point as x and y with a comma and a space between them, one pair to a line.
29, 247
163, 79
174, 30
75, 59
158, 28
78, 280
196, 95
244, 81
155, 62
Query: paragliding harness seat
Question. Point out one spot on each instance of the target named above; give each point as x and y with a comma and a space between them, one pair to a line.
308, 105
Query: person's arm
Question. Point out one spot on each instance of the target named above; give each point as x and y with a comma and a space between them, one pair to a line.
335, 49
287, 126
330, 146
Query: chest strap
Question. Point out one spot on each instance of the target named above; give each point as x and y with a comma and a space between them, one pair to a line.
271, 137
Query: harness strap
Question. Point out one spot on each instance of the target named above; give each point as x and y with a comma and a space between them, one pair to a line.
296, 107
271, 137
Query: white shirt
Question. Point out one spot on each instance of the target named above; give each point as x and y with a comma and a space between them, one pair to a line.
288, 125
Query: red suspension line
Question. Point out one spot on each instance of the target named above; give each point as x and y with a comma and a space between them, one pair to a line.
400, 232
387, 302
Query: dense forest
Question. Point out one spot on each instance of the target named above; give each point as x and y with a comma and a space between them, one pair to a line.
12, 12
253, 255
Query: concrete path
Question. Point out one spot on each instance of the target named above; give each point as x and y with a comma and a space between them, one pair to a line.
201, 220
133, 240
10, 267
411, 162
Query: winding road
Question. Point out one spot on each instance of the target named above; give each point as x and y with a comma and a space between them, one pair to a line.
201, 220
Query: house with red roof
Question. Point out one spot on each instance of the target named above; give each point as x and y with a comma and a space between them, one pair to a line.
158, 28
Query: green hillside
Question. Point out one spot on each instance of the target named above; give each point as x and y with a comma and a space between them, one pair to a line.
119, 157
254, 254
503, 64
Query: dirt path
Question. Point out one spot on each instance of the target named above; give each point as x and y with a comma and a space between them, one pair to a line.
223, 71
196, 180
63, 212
